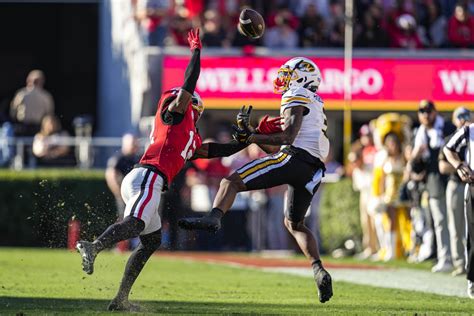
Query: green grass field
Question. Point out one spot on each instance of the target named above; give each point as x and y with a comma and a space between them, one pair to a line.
39, 281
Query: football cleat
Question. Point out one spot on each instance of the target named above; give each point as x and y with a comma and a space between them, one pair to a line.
88, 254
324, 284
122, 305
210, 224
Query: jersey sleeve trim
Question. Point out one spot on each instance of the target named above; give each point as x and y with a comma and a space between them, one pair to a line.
295, 98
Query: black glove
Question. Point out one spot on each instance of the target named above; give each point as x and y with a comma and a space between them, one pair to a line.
241, 134
243, 118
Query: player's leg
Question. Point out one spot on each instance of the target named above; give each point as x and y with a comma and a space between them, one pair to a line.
298, 201
149, 243
138, 187
261, 173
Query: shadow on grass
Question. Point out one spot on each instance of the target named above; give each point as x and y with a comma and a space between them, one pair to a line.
51, 306
29, 305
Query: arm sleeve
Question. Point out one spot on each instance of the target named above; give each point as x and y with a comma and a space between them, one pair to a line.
192, 72
224, 150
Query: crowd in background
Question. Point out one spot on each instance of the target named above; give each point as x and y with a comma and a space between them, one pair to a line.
311, 23
411, 198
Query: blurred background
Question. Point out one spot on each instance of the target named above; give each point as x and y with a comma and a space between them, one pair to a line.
80, 81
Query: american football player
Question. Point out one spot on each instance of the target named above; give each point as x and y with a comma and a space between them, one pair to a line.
173, 140
299, 163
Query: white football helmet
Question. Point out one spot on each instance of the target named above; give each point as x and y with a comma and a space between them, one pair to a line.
297, 72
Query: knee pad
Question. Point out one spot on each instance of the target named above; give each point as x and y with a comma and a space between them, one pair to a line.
151, 241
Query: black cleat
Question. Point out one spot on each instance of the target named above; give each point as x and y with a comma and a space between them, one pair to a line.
122, 305
210, 224
324, 284
88, 254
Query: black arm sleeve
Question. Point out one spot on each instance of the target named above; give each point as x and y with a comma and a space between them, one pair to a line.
224, 150
192, 72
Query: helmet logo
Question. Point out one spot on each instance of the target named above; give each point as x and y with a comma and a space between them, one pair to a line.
305, 66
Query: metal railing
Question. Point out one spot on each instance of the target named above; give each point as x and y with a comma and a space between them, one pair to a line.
86, 149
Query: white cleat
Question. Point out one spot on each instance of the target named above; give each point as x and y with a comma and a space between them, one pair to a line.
470, 289
88, 254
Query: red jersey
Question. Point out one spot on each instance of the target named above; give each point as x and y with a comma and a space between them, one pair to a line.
171, 145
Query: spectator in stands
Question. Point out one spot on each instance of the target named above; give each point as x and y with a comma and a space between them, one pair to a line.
282, 35
370, 33
214, 33
48, 144
117, 168
312, 29
428, 141
152, 18
405, 35
300, 7
432, 26
336, 24
179, 27
455, 198
31, 104
461, 28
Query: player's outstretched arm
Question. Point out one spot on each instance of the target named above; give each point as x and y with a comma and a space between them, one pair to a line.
215, 150
292, 119
191, 76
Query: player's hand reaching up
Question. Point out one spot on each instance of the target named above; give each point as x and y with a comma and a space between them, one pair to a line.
194, 40
269, 125
243, 118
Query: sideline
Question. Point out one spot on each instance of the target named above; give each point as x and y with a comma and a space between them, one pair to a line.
394, 278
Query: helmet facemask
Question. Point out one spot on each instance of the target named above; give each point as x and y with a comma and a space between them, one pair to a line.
282, 82
197, 105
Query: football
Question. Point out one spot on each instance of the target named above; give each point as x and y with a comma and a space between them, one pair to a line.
251, 24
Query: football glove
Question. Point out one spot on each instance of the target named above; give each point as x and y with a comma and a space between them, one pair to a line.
194, 40
269, 125
241, 134
243, 118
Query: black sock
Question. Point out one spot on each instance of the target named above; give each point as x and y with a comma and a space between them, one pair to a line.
317, 266
216, 213
128, 228
148, 244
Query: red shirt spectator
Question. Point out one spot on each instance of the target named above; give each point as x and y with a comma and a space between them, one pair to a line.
461, 28
405, 36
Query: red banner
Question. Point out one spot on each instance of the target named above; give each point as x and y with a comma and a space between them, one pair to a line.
377, 84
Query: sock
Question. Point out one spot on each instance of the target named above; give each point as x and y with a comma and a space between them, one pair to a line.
216, 213
317, 266
128, 228
148, 244
134, 266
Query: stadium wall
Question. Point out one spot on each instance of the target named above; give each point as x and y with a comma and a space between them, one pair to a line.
38, 204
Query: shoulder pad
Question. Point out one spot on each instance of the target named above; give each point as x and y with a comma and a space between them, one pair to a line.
295, 97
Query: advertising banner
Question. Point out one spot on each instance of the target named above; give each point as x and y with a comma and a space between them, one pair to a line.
377, 83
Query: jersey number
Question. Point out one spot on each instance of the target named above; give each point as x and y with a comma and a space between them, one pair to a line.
188, 153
